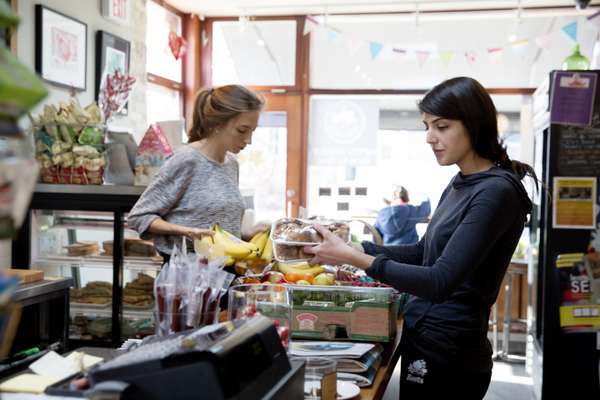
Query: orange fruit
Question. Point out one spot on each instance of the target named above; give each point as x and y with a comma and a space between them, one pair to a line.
307, 277
292, 276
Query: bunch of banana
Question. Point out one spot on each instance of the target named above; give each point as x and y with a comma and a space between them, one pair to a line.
233, 246
267, 252
300, 268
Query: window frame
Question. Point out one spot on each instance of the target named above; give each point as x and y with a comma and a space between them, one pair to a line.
160, 80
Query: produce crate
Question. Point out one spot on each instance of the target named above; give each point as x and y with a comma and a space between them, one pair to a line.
344, 312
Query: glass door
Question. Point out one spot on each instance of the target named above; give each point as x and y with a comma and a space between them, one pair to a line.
263, 167
271, 169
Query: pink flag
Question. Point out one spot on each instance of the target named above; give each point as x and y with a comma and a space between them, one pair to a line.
422, 57
543, 41
471, 57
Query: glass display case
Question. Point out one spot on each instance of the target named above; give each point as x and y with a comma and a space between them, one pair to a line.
81, 232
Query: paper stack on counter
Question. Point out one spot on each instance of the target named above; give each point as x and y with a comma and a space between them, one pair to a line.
356, 362
48, 370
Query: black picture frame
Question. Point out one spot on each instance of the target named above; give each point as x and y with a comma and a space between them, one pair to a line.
109, 48
60, 48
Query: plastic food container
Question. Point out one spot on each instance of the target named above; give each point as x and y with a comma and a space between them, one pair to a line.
290, 235
344, 312
301, 232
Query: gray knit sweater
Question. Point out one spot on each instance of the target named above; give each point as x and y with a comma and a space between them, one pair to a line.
190, 190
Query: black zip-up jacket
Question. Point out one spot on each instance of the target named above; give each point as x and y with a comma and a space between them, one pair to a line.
455, 272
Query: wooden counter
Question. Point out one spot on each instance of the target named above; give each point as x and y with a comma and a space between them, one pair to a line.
390, 357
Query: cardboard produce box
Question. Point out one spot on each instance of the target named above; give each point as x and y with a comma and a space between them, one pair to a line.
344, 312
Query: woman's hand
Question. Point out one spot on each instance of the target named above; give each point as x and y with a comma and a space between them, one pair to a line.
197, 233
334, 251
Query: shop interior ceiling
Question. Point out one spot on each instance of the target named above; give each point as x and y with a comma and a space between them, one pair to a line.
397, 23
215, 8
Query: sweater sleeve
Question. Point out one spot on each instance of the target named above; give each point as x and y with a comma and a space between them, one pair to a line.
161, 196
487, 218
424, 209
404, 253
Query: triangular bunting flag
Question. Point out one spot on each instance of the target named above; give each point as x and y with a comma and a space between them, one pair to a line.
422, 57
543, 41
495, 51
375, 49
519, 47
332, 35
446, 57
471, 57
571, 30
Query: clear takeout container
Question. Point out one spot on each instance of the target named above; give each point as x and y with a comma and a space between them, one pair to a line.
306, 235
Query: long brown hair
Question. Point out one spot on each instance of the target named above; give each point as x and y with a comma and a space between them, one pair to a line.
464, 99
217, 106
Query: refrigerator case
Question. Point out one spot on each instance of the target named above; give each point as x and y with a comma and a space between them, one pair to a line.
564, 359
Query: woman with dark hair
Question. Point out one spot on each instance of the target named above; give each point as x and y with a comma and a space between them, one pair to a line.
454, 273
198, 185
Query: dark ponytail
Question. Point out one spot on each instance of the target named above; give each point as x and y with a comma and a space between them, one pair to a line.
215, 107
464, 99
519, 168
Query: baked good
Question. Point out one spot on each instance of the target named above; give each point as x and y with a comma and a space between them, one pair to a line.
139, 248
285, 252
107, 247
82, 248
132, 247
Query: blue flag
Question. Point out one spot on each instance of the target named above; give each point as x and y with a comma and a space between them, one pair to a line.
571, 30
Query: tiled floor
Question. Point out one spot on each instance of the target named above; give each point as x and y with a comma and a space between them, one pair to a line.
509, 382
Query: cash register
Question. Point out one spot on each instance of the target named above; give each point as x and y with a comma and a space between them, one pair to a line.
236, 360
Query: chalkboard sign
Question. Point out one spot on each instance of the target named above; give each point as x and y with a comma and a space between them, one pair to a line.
578, 151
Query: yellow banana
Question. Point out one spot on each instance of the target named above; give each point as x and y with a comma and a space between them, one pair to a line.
260, 239
267, 253
286, 268
235, 250
234, 239
301, 265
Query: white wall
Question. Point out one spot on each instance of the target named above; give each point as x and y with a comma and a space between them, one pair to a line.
88, 11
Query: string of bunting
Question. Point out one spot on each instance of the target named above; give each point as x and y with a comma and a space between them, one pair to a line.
446, 56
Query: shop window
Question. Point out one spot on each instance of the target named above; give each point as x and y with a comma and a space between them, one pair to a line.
254, 53
157, 97
343, 206
160, 61
360, 191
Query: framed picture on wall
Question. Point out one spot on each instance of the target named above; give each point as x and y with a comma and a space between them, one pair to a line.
112, 53
115, 10
60, 48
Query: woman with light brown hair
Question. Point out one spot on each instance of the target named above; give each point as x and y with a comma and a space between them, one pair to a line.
198, 185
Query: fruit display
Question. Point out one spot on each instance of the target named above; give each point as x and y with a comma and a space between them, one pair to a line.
301, 232
252, 256
69, 144
271, 301
344, 312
